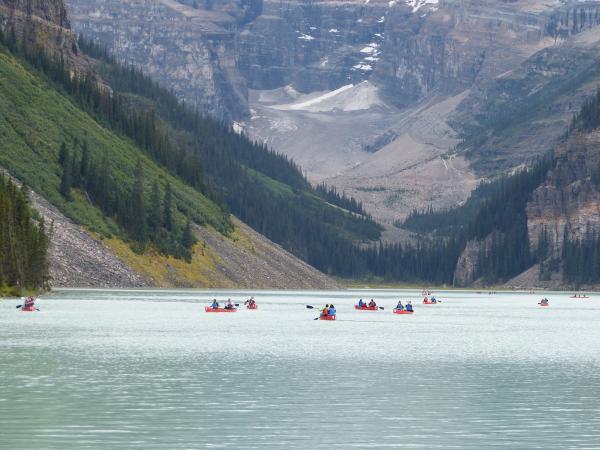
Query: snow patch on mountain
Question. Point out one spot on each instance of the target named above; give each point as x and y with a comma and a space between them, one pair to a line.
418, 4
347, 98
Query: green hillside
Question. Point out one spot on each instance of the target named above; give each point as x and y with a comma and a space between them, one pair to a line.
35, 119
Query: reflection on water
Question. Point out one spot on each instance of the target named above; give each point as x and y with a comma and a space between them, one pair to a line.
151, 370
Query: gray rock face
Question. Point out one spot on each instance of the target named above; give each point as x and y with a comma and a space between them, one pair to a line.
450, 49
569, 201
313, 46
52, 11
193, 52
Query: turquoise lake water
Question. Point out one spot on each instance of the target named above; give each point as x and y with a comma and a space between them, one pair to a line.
151, 370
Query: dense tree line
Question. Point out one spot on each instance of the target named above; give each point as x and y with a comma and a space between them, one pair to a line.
581, 259
144, 220
447, 221
503, 217
23, 241
331, 195
588, 117
494, 214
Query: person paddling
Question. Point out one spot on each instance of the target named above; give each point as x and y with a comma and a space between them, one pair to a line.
332, 310
229, 304
433, 300
215, 304
29, 304
361, 304
409, 306
325, 311
400, 306
544, 301
372, 304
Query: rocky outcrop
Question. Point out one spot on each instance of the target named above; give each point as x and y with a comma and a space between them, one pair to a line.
51, 11
192, 51
467, 271
46, 23
567, 204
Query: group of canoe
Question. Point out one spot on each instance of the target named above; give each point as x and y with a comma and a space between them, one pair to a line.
329, 312
229, 306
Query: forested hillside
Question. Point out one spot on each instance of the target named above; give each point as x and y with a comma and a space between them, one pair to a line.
132, 161
23, 242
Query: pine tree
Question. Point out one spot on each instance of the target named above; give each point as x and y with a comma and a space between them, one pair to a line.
66, 180
155, 217
168, 208
138, 207
187, 239
85, 161
63, 154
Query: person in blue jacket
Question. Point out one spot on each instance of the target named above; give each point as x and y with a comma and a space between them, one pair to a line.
332, 310
409, 306
400, 306
215, 304
361, 303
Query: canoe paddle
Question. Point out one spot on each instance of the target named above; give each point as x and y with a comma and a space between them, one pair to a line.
310, 307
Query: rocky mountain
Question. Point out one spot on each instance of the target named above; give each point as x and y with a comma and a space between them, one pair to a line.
370, 96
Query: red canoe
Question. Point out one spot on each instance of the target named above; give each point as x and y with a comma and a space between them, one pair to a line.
29, 309
544, 304
223, 310
429, 303
366, 308
402, 311
255, 306
328, 317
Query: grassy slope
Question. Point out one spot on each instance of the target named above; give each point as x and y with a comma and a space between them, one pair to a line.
35, 119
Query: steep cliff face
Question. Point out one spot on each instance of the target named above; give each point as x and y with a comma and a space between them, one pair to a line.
452, 48
52, 11
313, 46
46, 23
514, 117
192, 51
568, 203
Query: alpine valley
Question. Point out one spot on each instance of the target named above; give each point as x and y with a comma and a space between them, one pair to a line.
302, 143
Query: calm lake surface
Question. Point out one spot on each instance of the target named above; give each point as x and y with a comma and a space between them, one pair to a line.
152, 370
